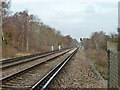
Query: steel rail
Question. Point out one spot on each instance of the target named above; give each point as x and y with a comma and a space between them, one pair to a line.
31, 59
12, 76
28, 56
47, 79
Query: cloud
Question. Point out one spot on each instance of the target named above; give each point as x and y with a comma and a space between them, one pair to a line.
79, 18
90, 9
61, 1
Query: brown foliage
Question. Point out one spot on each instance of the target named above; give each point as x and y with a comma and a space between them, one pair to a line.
26, 33
100, 60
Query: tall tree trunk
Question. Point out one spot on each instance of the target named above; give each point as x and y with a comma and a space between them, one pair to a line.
96, 44
23, 40
1, 35
27, 42
1, 31
27, 45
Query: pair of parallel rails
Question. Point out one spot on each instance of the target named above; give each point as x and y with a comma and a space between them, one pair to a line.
46, 80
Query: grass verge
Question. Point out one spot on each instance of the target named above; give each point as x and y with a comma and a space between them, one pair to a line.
100, 61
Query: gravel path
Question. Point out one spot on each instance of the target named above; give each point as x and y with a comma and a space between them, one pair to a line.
77, 74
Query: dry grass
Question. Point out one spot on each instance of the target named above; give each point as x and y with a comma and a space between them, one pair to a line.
100, 60
9, 52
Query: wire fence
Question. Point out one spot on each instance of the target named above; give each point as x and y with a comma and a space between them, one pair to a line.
113, 70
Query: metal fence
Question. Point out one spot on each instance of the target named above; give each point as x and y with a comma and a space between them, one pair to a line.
113, 70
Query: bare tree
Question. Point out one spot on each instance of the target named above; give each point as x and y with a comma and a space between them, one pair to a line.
1, 32
26, 33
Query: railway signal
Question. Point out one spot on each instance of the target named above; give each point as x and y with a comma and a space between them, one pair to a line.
81, 39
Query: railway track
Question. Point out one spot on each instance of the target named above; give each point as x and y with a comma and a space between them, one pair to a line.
46, 70
47, 79
21, 60
12, 60
23, 64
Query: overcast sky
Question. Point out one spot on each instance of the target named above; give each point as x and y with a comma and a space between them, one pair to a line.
78, 18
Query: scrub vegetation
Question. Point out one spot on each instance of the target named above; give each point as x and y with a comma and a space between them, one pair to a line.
96, 49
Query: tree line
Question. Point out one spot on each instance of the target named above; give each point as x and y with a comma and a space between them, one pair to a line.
98, 40
24, 32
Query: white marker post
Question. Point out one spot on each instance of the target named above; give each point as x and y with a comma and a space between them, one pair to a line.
52, 48
59, 47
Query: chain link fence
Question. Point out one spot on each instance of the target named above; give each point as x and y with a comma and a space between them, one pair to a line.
113, 76
113, 65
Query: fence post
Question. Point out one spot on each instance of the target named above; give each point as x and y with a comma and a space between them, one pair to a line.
119, 56
119, 43
108, 52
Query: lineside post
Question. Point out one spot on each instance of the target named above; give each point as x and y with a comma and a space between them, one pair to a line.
119, 43
119, 56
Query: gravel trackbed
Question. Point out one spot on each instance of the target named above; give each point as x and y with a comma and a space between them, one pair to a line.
77, 74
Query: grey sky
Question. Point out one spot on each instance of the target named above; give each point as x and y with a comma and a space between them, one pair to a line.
78, 18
